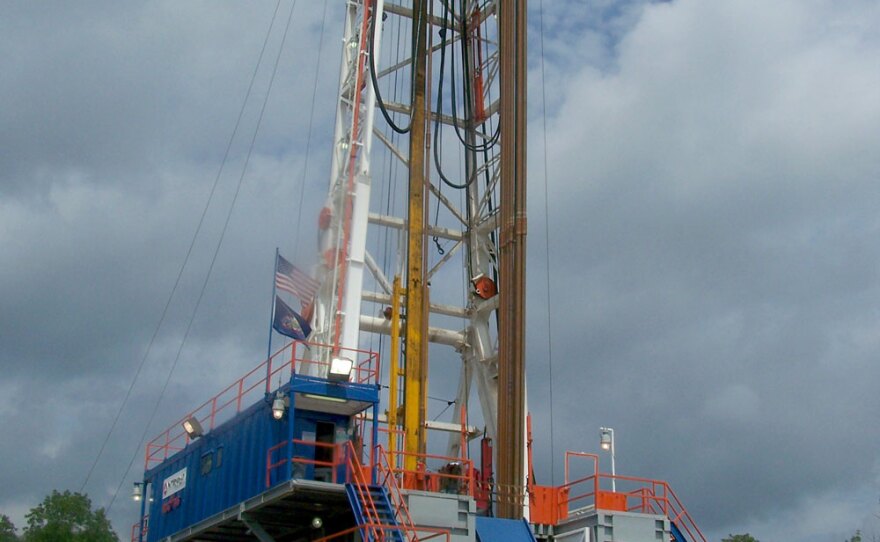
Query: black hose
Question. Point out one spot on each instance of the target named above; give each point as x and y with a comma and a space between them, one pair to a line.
455, 121
443, 178
375, 81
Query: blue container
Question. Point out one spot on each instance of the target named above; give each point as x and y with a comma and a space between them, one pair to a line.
229, 464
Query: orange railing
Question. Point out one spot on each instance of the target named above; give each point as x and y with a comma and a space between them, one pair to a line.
314, 361
433, 480
633, 494
333, 464
139, 529
373, 527
388, 479
299, 357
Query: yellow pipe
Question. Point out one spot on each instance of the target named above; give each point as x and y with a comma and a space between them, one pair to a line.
394, 371
415, 388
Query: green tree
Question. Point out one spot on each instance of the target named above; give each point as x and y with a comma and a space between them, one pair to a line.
67, 517
856, 537
7, 530
740, 538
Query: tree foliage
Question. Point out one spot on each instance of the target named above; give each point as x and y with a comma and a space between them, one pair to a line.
856, 537
740, 538
67, 517
7, 530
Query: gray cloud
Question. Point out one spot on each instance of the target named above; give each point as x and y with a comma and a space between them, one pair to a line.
713, 217
712, 249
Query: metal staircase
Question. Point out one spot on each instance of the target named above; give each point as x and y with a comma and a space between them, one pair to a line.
377, 517
374, 514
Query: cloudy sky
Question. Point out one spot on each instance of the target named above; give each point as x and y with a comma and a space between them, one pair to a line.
713, 266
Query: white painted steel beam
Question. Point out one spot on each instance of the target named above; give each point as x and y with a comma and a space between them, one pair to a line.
448, 310
455, 339
447, 427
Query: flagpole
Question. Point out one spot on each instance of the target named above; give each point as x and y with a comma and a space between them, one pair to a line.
271, 321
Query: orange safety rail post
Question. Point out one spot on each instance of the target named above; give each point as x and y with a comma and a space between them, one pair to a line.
362, 488
368, 369
467, 478
647, 488
388, 479
270, 466
569, 483
643, 497
682, 517
360, 421
589, 481
139, 530
399, 434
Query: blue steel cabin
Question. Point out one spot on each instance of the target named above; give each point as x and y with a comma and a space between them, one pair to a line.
263, 451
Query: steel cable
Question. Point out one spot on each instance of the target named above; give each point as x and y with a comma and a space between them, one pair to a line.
211, 265
186, 258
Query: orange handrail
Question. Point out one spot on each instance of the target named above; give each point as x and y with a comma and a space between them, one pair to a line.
362, 487
336, 462
139, 529
468, 478
392, 487
256, 382
643, 495
651, 496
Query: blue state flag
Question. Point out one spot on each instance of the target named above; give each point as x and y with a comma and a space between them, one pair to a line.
288, 322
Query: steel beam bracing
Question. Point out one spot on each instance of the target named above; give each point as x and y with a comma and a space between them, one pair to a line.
468, 217
256, 529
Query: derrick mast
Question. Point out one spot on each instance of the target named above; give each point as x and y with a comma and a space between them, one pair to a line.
463, 78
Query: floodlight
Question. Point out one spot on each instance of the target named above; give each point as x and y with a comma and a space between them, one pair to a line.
340, 369
193, 428
605, 438
138, 492
278, 406
606, 442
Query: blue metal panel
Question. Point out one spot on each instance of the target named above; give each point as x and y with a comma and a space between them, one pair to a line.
348, 390
246, 441
240, 475
503, 530
677, 535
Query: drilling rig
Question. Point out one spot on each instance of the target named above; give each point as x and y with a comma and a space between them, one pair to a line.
328, 439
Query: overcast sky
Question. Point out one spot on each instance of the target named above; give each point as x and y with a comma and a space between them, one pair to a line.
714, 258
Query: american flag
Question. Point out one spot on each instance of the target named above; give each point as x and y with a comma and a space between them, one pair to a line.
291, 279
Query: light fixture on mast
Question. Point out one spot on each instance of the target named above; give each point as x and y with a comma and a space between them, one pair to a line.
606, 442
